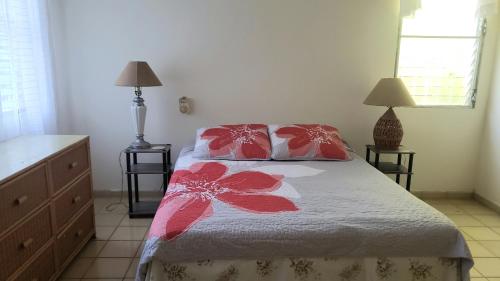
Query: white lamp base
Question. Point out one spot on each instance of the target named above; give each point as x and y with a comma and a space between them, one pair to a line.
140, 143
138, 110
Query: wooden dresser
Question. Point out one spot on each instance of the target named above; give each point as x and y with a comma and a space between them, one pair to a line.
46, 206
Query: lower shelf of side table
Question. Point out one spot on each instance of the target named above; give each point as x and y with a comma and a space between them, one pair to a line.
148, 168
144, 209
391, 168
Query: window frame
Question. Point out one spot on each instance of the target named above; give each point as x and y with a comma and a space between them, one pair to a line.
482, 30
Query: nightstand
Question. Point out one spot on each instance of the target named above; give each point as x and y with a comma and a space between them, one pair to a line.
145, 209
397, 168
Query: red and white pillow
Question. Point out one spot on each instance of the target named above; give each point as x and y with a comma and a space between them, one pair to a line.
307, 142
233, 142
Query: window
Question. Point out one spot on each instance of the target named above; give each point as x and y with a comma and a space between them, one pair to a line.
26, 98
439, 52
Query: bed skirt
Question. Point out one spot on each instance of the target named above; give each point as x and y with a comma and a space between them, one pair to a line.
304, 269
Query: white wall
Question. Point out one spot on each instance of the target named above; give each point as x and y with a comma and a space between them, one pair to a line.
488, 172
270, 61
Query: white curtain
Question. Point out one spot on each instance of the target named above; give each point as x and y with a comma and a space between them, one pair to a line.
488, 7
26, 90
407, 8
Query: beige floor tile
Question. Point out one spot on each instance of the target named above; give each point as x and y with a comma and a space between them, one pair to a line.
104, 232
477, 210
135, 222
479, 251
100, 203
108, 219
463, 201
474, 273
132, 269
493, 279
129, 233
488, 267
472, 279
449, 209
465, 220
437, 200
108, 268
466, 236
492, 246
489, 220
77, 268
481, 233
496, 229
120, 249
92, 249
114, 207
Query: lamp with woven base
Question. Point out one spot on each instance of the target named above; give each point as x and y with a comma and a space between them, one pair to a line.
390, 92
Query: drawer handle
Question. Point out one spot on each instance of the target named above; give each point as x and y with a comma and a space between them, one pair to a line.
73, 165
21, 200
76, 199
79, 233
26, 244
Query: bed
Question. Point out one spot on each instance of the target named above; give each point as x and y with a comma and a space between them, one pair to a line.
297, 220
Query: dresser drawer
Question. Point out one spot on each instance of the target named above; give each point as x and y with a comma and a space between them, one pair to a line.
72, 200
22, 195
17, 247
42, 269
69, 240
69, 165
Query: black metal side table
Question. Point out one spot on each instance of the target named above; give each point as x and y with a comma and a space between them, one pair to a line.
145, 209
397, 168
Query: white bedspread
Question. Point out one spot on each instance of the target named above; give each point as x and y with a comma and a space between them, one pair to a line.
341, 209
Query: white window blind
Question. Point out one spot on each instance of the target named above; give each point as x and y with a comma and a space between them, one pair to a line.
439, 52
26, 96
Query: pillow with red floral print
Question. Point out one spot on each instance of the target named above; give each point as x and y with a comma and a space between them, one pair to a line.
233, 142
307, 142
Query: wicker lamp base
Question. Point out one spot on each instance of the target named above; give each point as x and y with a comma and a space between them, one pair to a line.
388, 131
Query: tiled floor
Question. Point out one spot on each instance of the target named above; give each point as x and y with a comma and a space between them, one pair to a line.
115, 253
481, 228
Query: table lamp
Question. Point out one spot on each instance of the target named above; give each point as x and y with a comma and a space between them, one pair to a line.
390, 92
138, 74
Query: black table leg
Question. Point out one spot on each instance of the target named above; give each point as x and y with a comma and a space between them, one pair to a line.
367, 155
399, 164
136, 180
165, 172
129, 185
169, 163
410, 172
377, 157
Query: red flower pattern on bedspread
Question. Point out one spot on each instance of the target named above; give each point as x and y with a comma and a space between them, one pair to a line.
191, 193
246, 141
323, 139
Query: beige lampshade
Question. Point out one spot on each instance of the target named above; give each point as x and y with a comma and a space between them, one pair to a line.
138, 74
390, 92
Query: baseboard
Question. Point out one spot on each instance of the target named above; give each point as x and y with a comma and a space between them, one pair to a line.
113, 193
442, 194
487, 202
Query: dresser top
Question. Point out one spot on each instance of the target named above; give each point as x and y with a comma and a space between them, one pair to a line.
22, 152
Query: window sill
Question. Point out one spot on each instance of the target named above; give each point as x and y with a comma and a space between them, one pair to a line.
445, 106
